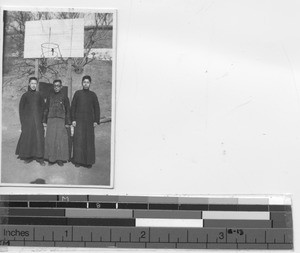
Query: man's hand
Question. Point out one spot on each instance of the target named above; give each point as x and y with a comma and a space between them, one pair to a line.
44, 124
67, 126
95, 124
74, 123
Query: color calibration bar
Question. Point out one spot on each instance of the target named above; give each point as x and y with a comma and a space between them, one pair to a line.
146, 222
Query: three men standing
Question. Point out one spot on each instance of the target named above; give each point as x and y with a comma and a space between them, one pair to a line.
57, 116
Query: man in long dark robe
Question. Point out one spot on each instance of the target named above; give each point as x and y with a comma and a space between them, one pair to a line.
85, 113
58, 119
31, 109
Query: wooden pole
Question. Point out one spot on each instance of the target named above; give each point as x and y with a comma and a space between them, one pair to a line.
36, 72
69, 76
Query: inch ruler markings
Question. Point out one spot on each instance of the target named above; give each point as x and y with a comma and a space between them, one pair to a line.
146, 222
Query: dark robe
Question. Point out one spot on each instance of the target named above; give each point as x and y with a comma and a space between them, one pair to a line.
57, 116
31, 141
85, 111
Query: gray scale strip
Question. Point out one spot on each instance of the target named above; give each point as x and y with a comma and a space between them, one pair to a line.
273, 233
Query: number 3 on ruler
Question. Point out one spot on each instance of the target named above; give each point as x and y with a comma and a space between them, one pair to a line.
221, 235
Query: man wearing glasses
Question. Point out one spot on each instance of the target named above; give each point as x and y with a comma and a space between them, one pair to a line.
57, 119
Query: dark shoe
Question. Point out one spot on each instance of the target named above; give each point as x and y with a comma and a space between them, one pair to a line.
77, 165
89, 166
50, 163
60, 163
28, 160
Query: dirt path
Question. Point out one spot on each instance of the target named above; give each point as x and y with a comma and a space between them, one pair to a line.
15, 171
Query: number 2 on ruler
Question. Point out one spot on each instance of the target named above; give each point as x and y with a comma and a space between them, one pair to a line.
143, 235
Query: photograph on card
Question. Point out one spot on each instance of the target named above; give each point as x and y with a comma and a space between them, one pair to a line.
58, 97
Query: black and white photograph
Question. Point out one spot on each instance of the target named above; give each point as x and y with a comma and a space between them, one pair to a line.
58, 97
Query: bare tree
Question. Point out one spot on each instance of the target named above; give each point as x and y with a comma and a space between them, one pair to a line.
96, 32
14, 28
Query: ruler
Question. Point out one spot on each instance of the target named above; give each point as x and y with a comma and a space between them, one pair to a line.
105, 221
